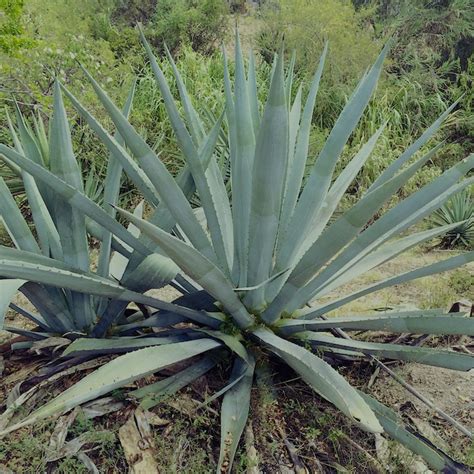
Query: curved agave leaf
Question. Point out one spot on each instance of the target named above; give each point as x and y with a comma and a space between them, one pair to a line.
35, 318
154, 271
8, 288
418, 322
422, 355
392, 222
296, 166
54, 310
412, 149
439, 267
209, 182
331, 202
198, 267
36, 148
395, 427
152, 395
397, 219
70, 222
195, 123
323, 379
381, 255
232, 342
234, 413
168, 189
51, 274
117, 373
117, 151
111, 194
81, 347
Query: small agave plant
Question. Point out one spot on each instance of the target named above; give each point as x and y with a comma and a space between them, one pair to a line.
460, 208
254, 273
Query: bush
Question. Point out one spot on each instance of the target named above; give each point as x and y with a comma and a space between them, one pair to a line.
201, 24
12, 31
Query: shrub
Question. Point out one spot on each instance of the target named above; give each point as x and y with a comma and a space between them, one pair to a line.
247, 265
200, 24
12, 36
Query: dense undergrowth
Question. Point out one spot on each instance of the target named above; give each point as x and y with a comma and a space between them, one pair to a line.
429, 67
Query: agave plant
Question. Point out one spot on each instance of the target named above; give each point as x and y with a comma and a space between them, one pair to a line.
254, 268
61, 232
460, 208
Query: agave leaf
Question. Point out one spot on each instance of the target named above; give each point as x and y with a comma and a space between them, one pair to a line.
394, 221
297, 164
86, 347
115, 374
323, 379
35, 318
234, 413
383, 254
290, 75
152, 395
158, 320
111, 193
167, 318
154, 271
403, 322
399, 218
28, 142
195, 123
48, 272
75, 198
394, 426
241, 164
197, 266
14, 222
219, 206
119, 262
335, 238
348, 226
54, 310
8, 289
234, 380
320, 177
438, 267
331, 202
253, 95
69, 221
412, 149
47, 233
294, 125
268, 181
117, 151
169, 191
232, 342
438, 358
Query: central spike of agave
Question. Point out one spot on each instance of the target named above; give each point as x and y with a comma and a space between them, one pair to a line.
247, 271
